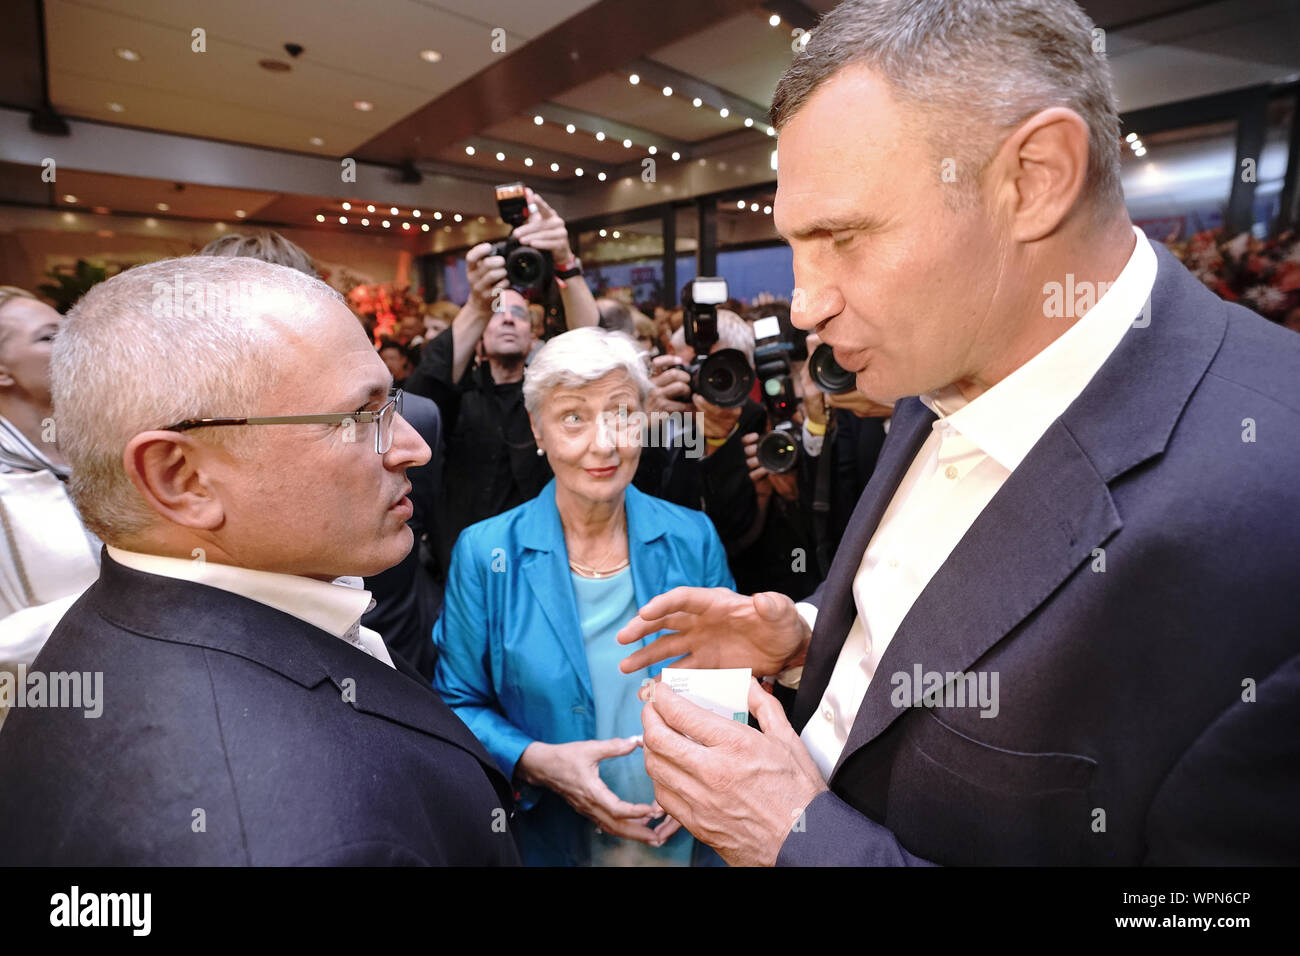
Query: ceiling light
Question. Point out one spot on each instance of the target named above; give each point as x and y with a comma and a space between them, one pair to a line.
627, 144
129, 55
753, 207
370, 208
469, 150
151, 222
347, 205
501, 157
740, 204
316, 141
749, 121
365, 106
240, 214
365, 222
774, 20
538, 120
600, 136
319, 217
570, 128
676, 155
456, 217
771, 131
601, 177
392, 210
528, 160
697, 102
343, 220
1141, 151
634, 79
162, 207
555, 167
1136, 144
653, 150
767, 210
1130, 137
437, 215
116, 107
578, 171
415, 213
603, 233
424, 227
69, 198
406, 225
385, 223
430, 56
615, 234
668, 91
724, 112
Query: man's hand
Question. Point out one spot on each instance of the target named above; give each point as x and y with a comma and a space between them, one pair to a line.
737, 789
715, 627
572, 770
487, 274
717, 421
545, 230
786, 485
670, 386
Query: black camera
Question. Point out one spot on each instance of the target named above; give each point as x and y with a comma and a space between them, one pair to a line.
528, 269
778, 450
827, 374
725, 377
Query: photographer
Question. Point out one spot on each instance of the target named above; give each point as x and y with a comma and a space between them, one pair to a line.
703, 467
492, 461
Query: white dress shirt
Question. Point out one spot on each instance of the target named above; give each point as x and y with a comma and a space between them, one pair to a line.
335, 607
972, 448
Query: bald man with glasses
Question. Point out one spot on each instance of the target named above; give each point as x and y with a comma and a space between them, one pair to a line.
238, 445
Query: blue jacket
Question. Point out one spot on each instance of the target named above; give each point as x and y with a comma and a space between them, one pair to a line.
512, 664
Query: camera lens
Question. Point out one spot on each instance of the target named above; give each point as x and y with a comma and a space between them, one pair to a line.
827, 374
527, 268
724, 378
778, 452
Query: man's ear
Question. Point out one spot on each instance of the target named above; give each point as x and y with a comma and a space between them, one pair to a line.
168, 469
1040, 170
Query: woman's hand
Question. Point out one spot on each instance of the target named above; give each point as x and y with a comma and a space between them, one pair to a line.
572, 771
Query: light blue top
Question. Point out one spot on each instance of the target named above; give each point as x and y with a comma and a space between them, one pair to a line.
604, 606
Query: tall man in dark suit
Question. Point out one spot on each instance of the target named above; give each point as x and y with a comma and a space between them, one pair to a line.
243, 715
1061, 627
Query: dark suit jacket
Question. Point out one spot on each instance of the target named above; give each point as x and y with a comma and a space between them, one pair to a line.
1148, 712
226, 739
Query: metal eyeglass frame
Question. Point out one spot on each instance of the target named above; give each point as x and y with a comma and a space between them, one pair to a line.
390, 408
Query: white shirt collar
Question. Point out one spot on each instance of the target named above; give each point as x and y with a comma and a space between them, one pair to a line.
335, 608
1008, 420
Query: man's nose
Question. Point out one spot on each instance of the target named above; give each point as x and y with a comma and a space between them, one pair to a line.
815, 299
409, 448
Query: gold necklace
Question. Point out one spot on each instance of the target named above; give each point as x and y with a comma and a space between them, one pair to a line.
587, 572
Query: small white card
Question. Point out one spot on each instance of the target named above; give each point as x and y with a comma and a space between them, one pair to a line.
724, 691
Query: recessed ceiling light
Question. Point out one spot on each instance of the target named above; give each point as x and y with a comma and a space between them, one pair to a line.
116, 107
385, 223
697, 102
600, 136
69, 217
724, 112
603, 233
406, 225
69, 198
430, 56
240, 214
767, 210
482, 220
129, 55
1130, 137
415, 213
555, 167
771, 131
676, 155
578, 171
634, 79
316, 141
365, 106
151, 222
753, 207
370, 208
615, 233
437, 215
1140, 151
601, 177
749, 121
528, 160
424, 227
668, 91
740, 204
774, 20
456, 217
570, 128
392, 210
469, 150
347, 206
538, 120
162, 207
446, 228
501, 157
653, 150
319, 217
365, 222
343, 220
627, 144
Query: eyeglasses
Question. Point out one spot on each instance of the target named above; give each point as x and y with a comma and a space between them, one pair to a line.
383, 418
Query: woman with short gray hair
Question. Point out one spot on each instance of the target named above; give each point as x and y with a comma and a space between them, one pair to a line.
535, 596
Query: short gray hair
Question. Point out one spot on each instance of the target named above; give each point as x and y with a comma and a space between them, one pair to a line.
579, 357
134, 355
983, 66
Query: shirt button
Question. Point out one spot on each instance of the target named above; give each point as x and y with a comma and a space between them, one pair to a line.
950, 471
828, 713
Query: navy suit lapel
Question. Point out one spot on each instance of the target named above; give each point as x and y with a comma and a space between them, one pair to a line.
908, 430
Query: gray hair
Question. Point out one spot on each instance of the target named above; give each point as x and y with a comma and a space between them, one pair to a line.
983, 66
579, 357
157, 344
265, 245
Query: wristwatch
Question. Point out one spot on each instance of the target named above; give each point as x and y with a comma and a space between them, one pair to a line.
570, 269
